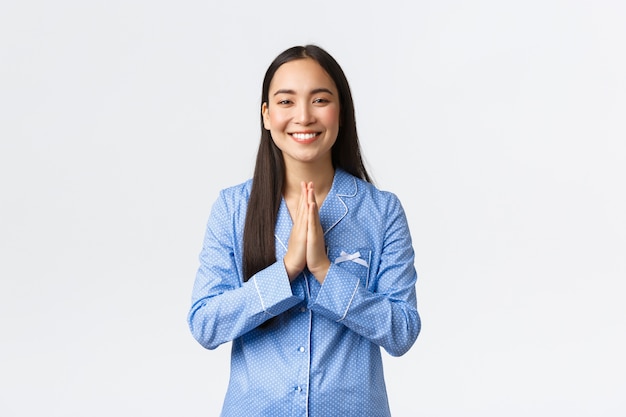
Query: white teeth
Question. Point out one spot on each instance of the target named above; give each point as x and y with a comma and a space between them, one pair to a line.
304, 136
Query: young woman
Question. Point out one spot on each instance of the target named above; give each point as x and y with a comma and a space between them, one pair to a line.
307, 268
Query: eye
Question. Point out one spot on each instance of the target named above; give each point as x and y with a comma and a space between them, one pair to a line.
321, 100
284, 102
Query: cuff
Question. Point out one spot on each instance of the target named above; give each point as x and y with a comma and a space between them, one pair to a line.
273, 288
336, 294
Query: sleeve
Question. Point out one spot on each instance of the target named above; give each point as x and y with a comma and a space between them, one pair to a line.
387, 317
223, 306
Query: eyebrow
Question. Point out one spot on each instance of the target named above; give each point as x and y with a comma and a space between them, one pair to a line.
315, 91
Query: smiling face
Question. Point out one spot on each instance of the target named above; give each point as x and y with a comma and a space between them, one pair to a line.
302, 112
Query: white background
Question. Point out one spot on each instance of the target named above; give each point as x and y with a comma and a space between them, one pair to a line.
501, 126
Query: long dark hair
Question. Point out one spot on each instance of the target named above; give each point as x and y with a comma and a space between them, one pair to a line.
259, 247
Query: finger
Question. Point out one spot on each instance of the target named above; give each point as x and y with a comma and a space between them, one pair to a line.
313, 223
302, 216
295, 258
310, 193
316, 258
302, 203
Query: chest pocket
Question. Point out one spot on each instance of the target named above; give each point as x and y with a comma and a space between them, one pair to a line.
356, 261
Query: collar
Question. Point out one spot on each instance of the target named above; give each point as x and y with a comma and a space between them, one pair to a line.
333, 208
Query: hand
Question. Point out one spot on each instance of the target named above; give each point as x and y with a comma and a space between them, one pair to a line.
306, 245
316, 259
295, 258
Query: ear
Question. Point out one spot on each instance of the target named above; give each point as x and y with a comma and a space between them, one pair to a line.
266, 116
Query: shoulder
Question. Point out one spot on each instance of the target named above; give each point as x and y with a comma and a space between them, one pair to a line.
233, 199
237, 192
365, 192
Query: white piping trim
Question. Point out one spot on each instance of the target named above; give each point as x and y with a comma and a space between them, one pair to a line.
369, 262
308, 371
280, 241
356, 190
259, 293
350, 302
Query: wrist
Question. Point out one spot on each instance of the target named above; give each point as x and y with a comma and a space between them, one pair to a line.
292, 272
321, 272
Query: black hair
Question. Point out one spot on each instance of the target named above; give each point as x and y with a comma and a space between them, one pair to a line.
259, 246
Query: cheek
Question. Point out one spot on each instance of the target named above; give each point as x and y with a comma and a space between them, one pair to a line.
278, 120
332, 118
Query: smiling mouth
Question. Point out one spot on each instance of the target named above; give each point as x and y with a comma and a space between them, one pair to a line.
305, 137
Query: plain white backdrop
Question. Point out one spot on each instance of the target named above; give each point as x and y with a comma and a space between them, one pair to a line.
500, 125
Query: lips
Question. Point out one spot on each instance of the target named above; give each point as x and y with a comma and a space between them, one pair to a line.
305, 137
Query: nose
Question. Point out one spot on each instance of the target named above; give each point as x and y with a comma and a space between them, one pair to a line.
305, 114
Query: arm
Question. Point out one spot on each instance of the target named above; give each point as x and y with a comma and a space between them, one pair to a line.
223, 306
387, 317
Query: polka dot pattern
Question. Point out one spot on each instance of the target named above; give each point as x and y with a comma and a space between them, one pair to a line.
321, 355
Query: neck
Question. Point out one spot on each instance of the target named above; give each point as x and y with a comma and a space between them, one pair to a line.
321, 175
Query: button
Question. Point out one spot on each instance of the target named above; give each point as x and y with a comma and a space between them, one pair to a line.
298, 388
301, 349
302, 309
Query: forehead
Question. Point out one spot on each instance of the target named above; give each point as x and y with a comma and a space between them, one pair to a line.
301, 75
